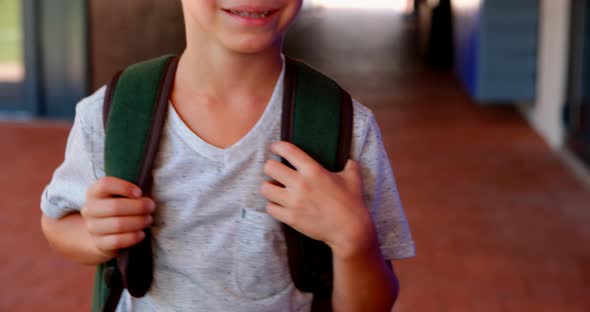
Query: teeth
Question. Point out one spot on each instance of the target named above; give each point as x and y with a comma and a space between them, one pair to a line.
250, 14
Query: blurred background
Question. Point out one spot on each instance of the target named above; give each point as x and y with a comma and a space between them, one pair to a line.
484, 107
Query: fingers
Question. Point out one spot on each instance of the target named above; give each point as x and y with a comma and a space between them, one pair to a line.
115, 214
119, 207
111, 186
295, 156
274, 193
278, 212
109, 244
280, 172
118, 225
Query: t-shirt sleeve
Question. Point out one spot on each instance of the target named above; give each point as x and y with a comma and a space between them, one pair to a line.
66, 192
380, 190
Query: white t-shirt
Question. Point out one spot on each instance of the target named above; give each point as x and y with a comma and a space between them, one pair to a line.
215, 248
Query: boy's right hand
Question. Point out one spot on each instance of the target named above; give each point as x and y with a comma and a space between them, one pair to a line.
115, 214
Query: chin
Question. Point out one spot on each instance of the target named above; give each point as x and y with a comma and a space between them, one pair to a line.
252, 44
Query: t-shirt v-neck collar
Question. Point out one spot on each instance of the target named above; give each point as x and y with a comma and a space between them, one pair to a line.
268, 119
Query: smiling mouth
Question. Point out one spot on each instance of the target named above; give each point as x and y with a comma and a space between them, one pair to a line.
250, 14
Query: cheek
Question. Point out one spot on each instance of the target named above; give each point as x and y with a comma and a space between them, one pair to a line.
290, 14
203, 11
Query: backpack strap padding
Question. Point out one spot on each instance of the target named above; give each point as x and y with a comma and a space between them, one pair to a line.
135, 109
101, 300
134, 127
129, 128
317, 117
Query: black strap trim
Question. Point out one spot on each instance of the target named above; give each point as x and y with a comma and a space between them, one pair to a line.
114, 282
345, 137
288, 100
112, 276
160, 113
137, 262
322, 299
129, 271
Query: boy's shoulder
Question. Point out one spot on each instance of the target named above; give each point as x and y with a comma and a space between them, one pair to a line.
89, 111
365, 128
361, 112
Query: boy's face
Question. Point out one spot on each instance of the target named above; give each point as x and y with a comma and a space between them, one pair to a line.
244, 26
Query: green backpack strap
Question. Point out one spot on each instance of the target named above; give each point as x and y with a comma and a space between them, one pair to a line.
317, 117
134, 113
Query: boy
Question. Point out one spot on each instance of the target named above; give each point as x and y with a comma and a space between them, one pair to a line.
217, 240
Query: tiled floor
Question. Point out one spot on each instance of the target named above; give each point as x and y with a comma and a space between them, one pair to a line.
500, 223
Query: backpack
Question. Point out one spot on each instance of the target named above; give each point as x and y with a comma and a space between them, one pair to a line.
317, 117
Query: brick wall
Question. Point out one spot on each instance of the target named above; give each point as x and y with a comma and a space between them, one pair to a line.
125, 32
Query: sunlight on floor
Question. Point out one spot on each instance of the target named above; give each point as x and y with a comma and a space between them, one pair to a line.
402, 6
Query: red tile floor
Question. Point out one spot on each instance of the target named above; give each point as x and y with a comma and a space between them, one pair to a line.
500, 222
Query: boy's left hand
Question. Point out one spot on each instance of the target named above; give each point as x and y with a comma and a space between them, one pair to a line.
320, 204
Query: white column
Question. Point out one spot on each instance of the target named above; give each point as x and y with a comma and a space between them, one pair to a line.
545, 114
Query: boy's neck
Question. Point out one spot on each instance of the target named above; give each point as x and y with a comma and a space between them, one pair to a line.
221, 73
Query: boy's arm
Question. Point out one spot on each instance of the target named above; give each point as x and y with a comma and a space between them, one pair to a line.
330, 207
363, 281
70, 238
112, 218
382, 199
64, 196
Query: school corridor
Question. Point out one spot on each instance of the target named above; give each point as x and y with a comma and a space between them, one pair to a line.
500, 220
